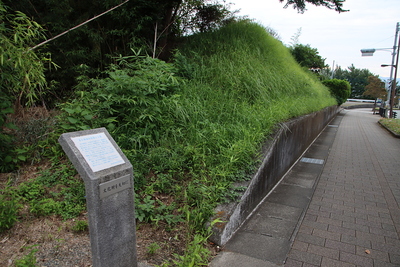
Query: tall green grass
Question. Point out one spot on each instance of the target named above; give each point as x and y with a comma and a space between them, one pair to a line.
244, 83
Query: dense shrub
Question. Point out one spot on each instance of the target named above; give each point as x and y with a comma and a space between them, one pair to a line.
6, 139
8, 212
340, 89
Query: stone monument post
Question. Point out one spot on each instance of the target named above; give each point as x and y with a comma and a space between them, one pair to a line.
108, 178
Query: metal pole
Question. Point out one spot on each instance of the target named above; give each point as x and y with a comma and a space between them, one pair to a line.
393, 87
395, 76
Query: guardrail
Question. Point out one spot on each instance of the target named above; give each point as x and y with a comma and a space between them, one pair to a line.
361, 100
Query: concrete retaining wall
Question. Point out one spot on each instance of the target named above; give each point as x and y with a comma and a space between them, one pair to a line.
288, 144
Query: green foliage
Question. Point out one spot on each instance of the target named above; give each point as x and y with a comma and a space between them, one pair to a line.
153, 248
144, 211
234, 193
24, 139
56, 191
209, 17
28, 260
137, 103
14, 159
340, 89
300, 5
95, 44
6, 139
44, 207
184, 68
22, 76
80, 226
8, 211
29, 191
22, 71
307, 57
195, 255
358, 79
34, 130
135, 95
150, 210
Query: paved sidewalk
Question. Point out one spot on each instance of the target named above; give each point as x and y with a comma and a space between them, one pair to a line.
338, 206
354, 216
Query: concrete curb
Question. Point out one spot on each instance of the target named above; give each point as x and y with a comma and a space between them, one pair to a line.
390, 131
358, 106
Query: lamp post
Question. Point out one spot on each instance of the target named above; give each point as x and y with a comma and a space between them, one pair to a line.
392, 88
394, 82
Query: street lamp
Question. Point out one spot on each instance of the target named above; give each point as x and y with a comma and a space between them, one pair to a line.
392, 89
368, 52
394, 82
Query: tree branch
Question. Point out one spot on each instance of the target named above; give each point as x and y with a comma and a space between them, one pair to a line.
77, 26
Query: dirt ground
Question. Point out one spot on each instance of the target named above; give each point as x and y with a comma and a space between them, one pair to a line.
52, 238
57, 244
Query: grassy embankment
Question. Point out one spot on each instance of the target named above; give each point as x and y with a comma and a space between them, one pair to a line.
391, 124
188, 137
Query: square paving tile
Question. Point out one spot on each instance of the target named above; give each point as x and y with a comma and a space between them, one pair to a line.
259, 246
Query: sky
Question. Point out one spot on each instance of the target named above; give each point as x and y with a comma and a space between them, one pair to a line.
338, 37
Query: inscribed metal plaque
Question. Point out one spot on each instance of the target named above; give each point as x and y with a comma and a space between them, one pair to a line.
115, 186
98, 151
